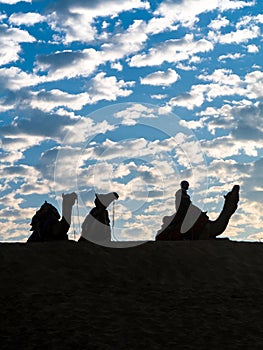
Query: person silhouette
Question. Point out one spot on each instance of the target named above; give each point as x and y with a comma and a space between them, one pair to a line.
46, 224
96, 226
180, 225
186, 212
182, 198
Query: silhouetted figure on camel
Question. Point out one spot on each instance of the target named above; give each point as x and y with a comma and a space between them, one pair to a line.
190, 223
46, 223
96, 226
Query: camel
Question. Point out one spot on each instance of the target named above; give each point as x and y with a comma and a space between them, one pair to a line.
204, 228
46, 225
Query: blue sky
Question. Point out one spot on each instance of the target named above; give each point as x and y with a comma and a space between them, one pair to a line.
131, 96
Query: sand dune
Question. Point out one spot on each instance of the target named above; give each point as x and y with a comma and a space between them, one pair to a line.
159, 295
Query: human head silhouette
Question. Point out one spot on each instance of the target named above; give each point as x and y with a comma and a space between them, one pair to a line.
184, 185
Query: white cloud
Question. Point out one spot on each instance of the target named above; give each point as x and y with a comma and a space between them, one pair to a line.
28, 176
105, 24
108, 88
252, 48
159, 96
100, 88
137, 231
259, 18
234, 4
228, 146
254, 81
235, 37
15, 231
155, 153
222, 76
187, 11
28, 19
131, 114
245, 21
75, 18
108, 172
12, 2
194, 124
218, 23
125, 42
185, 67
223, 82
117, 65
227, 171
231, 56
244, 119
218, 118
190, 99
68, 64
99, 8
2, 16
14, 146
161, 78
83, 128
249, 177
184, 11
48, 100
10, 40
14, 78
72, 29
6, 105
32, 127
174, 50
195, 59
160, 24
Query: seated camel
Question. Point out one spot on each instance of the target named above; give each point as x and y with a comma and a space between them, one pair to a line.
203, 228
46, 223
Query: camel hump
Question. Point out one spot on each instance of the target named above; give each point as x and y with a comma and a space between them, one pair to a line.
197, 228
46, 216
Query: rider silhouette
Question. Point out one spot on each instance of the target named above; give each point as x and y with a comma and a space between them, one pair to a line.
186, 223
186, 212
182, 198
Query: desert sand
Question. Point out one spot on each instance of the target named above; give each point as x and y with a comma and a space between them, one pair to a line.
159, 295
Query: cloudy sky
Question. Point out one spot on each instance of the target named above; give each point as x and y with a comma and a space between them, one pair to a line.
131, 96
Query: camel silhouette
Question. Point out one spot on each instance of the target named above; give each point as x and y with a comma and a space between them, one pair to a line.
204, 228
46, 225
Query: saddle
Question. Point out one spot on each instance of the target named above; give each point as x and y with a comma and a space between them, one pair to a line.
173, 231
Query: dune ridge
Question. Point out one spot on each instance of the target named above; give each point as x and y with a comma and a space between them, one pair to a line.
187, 294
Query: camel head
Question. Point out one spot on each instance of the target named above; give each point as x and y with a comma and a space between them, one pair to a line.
232, 199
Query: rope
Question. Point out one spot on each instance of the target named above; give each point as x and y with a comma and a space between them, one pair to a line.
113, 221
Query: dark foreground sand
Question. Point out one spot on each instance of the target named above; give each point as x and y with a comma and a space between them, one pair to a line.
160, 295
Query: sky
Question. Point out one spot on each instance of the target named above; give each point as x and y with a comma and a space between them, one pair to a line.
133, 97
